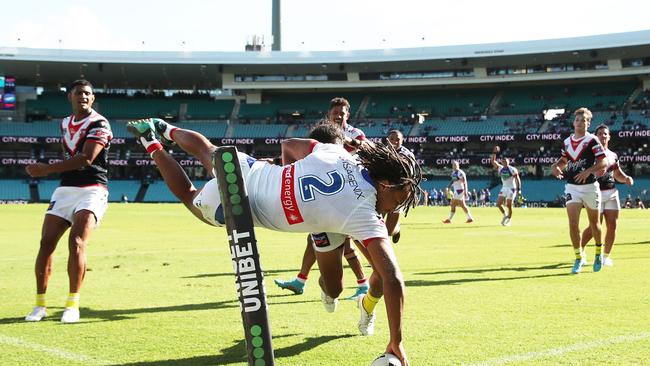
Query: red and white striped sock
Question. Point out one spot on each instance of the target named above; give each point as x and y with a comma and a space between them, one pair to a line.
301, 277
151, 146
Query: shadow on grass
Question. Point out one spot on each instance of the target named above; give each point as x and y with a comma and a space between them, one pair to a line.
230, 274
591, 244
123, 314
237, 353
501, 269
417, 283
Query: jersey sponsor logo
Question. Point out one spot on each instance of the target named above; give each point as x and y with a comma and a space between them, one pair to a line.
288, 197
352, 181
310, 183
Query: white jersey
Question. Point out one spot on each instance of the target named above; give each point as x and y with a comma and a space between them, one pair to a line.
406, 152
327, 191
353, 133
457, 179
507, 175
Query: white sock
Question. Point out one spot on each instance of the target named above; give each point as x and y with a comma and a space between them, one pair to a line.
169, 128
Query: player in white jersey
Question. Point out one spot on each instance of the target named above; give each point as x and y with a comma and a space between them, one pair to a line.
511, 185
583, 157
396, 138
338, 114
459, 193
610, 205
81, 200
322, 189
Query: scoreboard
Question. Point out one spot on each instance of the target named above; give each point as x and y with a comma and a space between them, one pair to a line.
7, 93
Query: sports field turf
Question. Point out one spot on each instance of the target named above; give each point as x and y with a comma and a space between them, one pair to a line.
160, 291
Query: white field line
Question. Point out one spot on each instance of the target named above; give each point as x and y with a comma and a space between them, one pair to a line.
562, 350
70, 356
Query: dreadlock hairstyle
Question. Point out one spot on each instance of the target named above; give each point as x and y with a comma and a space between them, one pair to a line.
385, 163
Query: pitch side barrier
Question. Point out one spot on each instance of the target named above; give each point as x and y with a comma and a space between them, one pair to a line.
490, 138
429, 161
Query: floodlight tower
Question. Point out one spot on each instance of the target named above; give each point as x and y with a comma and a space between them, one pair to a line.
276, 28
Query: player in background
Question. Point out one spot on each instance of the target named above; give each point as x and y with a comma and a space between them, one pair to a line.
583, 157
396, 139
339, 114
511, 185
610, 205
459, 193
79, 202
340, 195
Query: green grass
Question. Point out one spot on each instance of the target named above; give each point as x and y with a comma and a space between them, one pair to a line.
160, 291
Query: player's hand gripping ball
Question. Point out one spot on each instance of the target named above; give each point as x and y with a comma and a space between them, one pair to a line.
387, 359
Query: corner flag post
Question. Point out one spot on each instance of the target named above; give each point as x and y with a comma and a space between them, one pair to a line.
249, 278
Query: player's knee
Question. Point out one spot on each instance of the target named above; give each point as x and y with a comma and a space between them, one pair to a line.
77, 244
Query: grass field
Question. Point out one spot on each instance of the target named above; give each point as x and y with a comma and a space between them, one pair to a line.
160, 291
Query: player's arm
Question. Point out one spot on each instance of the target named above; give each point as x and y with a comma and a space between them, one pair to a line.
493, 158
600, 164
88, 154
464, 180
358, 142
621, 177
296, 149
518, 182
385, 264
558, 167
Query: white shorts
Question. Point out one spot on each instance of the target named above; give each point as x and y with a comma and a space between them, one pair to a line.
325, 242
208, 200
508, 193
610, 200
586, 194
458, 194
67, 201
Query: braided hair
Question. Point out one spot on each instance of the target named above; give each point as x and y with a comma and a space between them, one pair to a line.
383, 162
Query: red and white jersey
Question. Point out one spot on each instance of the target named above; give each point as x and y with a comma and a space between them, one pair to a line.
507, 175
581, 154
606, 178
327, 191
74, 134
353, 133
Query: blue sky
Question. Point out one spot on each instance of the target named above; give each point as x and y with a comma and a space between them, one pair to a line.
220, 25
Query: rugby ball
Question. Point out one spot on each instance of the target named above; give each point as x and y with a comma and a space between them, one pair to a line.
387, 359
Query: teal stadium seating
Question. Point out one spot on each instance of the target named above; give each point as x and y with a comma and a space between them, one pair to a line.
535, 99
14, 189
260, 130
311, 105
435, 103
158, 192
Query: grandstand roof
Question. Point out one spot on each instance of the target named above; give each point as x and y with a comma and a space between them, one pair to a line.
52, 67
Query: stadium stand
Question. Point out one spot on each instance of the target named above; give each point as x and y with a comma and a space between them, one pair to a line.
438, 103
535, 99
14, 189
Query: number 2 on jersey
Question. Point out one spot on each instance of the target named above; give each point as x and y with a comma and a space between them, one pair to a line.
310, 183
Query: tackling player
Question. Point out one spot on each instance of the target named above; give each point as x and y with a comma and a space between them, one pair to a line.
511, 185
583, 156
459, 193
338, 113
79, 202
396, 138
610, 205
339, 195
